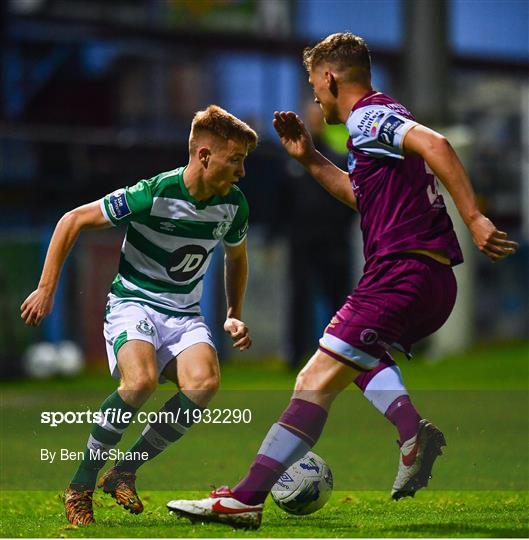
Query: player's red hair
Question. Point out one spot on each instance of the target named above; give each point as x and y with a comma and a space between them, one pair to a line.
223, 124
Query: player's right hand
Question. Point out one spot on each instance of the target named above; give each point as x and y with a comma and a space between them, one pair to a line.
36, 306
239, 333
489, 240
293, 135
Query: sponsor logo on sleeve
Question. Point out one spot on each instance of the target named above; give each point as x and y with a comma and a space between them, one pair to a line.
369, 118
386, 133
118, 204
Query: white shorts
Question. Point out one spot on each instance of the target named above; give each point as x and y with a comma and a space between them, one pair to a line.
169, 335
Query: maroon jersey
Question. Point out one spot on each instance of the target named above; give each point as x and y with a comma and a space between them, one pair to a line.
397, 197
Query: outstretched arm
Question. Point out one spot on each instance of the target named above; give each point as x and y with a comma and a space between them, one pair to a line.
298, 143
444, 163
235, 279
40, 302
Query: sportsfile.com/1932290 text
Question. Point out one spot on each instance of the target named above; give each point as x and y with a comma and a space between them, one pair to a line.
117, 416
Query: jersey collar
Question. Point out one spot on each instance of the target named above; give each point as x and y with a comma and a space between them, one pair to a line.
369, 94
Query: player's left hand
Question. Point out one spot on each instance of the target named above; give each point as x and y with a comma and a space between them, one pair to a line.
490, 241
239, 333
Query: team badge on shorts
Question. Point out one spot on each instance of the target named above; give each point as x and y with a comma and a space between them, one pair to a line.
145, 328
369, 336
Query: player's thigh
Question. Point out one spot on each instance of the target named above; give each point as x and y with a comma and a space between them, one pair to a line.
196, 371
323, 378
131, 338
434, 309
138, 371
389, 300
137, 364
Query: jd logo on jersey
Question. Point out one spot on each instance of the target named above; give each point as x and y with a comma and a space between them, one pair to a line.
185, 262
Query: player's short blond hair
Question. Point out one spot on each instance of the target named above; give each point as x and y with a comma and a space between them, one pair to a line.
216, 120
345, 51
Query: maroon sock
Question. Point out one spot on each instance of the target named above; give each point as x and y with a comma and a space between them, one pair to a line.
403, 415
364, 378
296, 431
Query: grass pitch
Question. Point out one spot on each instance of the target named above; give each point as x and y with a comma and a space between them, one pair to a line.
347, 514
480, 486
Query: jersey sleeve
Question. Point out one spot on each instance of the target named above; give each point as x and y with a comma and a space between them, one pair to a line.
239, 227
378, 131
123, 205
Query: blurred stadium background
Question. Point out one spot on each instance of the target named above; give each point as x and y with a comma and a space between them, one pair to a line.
98, 94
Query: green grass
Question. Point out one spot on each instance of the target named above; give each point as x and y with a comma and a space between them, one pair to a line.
480, 486
347, 514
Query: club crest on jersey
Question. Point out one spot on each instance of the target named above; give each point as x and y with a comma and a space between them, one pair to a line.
221, 229
145, 327
117, 203
184, 263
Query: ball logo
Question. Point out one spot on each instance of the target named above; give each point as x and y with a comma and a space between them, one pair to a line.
185, 262
369, 336
310, 466
285, 477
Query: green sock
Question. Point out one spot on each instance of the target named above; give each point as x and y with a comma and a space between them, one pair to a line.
103, 436
157, 436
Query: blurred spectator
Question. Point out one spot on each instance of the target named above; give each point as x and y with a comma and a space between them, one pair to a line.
317, 229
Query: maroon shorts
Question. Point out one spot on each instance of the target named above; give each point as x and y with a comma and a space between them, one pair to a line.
398, 301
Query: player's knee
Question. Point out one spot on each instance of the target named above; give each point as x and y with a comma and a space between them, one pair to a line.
210, 384
202, 379
202, 388
143, 383
207, 383
304, 381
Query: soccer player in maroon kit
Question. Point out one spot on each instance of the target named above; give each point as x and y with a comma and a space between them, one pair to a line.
407, 290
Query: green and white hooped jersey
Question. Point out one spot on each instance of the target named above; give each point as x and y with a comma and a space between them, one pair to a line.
170, 240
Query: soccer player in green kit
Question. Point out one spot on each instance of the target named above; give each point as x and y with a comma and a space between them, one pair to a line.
153, 327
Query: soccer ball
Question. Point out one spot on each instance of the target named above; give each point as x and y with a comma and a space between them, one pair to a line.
304, 487
70, 360
40, 360
44, 360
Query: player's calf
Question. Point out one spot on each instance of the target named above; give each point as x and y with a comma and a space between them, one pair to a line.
122, 486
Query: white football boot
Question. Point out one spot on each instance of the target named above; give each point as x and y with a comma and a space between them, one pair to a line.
221, 507
416, 459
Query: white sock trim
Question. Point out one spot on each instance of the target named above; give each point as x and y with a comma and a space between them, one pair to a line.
385, 387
